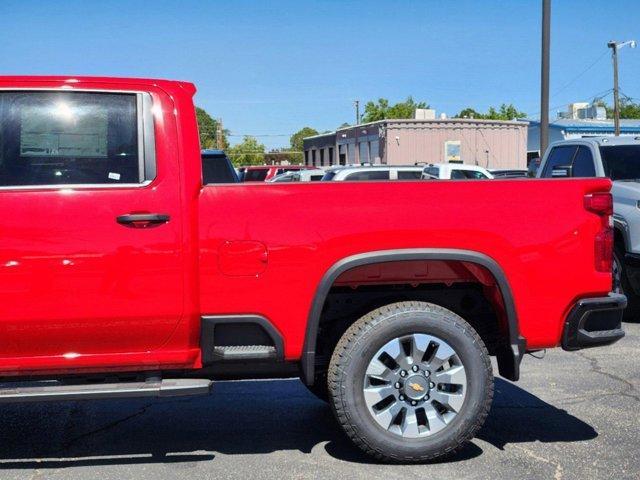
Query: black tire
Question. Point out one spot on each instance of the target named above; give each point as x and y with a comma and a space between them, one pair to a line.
622, 285
360, 343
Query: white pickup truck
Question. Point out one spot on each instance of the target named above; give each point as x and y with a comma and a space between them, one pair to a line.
619, 159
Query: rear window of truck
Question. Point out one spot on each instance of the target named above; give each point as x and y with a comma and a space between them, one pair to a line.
216, 168
255, 175
621, 162
62, 138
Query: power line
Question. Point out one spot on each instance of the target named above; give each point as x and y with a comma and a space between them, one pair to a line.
598, 96
570, 82
259, 134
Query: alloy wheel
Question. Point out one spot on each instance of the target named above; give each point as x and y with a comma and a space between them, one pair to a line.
415, 385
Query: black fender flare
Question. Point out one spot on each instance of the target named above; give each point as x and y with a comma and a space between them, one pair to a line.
508, 360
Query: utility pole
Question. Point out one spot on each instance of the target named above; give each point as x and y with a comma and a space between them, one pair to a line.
616, 100
615, 46
544, 80
219, 137
356, 154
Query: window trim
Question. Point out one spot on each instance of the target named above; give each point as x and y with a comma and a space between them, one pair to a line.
147, 164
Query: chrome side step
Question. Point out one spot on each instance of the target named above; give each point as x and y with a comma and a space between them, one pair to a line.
42, 391
245, 352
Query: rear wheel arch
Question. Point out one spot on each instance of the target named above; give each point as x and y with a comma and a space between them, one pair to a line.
509, 361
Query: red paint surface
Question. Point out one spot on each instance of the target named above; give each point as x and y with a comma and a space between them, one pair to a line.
78, 291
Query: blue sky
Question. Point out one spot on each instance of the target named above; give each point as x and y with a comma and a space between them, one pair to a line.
269, 68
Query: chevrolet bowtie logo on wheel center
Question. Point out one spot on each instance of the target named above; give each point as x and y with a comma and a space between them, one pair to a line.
417, 387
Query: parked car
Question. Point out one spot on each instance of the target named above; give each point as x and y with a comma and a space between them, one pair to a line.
508, 173
262, 173
123, 274
312, 175
372, 172
454, 171
617, 158
217, 168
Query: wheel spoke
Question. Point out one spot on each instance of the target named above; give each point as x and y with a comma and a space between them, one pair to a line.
452, 401
419, 345
452, 376
377, 369
443, 353
385, 417
435, 420
374, 395
410, 424
393, 349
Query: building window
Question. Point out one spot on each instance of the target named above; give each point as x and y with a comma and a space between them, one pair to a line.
313, 157
321, 156
306, 157
331, 161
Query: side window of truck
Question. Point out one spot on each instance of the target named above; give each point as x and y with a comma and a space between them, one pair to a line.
559, 161
74, 138
583, 165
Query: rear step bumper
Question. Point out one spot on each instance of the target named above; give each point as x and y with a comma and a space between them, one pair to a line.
42, 391
594, 322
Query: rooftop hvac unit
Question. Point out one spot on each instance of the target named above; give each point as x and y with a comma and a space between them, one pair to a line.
425, 114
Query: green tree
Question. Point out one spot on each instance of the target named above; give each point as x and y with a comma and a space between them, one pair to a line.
504, 112
629, 109
208, 127
381, 110
296, 142
248, 152
468, 113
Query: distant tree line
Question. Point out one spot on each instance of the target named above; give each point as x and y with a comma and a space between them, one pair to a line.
504, 112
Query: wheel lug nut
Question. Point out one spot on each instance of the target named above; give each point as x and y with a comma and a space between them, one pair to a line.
401, 397
414, 368
414, 403
431, 384
397, 385
427, 373
426, 397
403, 373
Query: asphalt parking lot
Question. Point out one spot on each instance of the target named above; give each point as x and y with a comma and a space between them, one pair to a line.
573, 415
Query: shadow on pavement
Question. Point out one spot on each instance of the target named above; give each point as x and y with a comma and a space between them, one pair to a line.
239, 418
517, 416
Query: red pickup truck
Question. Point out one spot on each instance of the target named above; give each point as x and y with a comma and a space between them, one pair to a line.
122, 274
